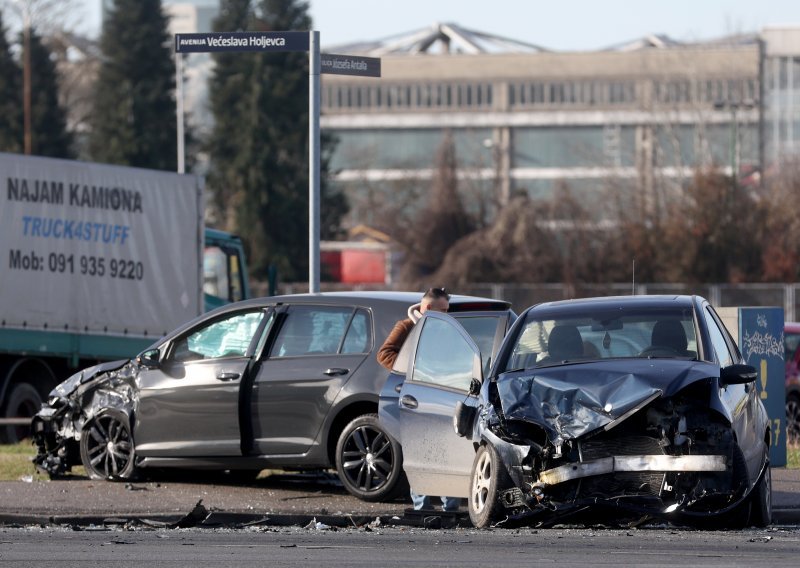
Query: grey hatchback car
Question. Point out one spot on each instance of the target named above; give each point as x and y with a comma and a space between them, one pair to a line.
286, 382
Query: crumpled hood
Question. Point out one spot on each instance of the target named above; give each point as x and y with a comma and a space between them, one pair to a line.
569, 401
71, 384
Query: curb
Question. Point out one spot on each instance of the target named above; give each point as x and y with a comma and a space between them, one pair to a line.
786, 516
221, 519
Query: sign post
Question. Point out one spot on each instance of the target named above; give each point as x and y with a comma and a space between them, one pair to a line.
284, 41
313, 163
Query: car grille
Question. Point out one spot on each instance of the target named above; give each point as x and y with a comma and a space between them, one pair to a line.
620, 483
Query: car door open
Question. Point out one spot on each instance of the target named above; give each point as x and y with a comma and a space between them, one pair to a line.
444, 361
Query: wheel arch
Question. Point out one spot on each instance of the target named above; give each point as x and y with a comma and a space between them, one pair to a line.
343, 417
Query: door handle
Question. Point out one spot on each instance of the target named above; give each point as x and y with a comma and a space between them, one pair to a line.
409, 401
228, 376
335, 372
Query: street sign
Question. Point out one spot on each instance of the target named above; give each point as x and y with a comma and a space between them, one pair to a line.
317, 63
241, 41
350, 65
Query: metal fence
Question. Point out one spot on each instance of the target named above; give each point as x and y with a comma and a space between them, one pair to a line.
523, 295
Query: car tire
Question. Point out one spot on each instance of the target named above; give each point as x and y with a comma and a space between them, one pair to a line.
22, 401
761, 501
106, 447
792, 419
369, 461
488, 478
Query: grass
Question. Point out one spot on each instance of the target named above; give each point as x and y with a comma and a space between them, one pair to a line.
793, 456
15, 461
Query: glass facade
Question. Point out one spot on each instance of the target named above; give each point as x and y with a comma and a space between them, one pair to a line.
573, 146
782, 101
408, 149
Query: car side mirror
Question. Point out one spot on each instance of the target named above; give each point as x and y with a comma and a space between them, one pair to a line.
477, 373
463, 419
737, 375
149, 358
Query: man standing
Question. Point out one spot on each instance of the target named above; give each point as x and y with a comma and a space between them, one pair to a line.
436, 299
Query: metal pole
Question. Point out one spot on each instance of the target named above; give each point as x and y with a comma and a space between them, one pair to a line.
179, 110
313, 162
26, 79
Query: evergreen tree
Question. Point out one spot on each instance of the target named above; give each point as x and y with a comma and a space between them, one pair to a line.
49, 136
10, 97
133, 122
228, 97
259, 146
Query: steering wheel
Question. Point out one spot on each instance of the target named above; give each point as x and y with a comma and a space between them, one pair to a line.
659, 351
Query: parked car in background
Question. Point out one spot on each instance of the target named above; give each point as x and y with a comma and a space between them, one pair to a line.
281, 382
640, 404
791, 341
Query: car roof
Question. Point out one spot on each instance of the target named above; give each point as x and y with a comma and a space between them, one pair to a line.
610, 302
371, 298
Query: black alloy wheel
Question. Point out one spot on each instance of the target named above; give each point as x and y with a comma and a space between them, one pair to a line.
107, 450
369, 461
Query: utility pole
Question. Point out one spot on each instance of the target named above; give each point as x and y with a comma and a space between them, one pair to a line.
25, 8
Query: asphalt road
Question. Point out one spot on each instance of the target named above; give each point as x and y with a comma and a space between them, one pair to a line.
276, 500
260, 546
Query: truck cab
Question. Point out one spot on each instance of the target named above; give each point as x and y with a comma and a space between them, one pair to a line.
224, 269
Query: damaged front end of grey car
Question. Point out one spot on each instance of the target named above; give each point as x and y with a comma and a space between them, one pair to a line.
671, 434
86, 420
615, 442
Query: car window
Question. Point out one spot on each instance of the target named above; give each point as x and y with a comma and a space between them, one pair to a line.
312, 330
229, 337
724, 355
550, 338
444, 357
482, 330
359, 335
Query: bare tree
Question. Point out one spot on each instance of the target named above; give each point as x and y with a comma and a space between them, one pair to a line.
439, 224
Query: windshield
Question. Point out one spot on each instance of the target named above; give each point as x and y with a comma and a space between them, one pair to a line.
547, 339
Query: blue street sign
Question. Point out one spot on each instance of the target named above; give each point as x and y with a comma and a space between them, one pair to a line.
241, 41
761, 343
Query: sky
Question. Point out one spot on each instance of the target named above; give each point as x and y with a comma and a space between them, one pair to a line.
560, 25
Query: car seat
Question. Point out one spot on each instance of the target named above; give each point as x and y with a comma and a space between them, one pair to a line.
565, 343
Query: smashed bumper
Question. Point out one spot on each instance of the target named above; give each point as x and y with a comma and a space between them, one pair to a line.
56, 429
657, 463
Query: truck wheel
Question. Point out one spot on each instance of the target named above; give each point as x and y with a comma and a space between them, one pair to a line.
23, 401
107, 447
369, 461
